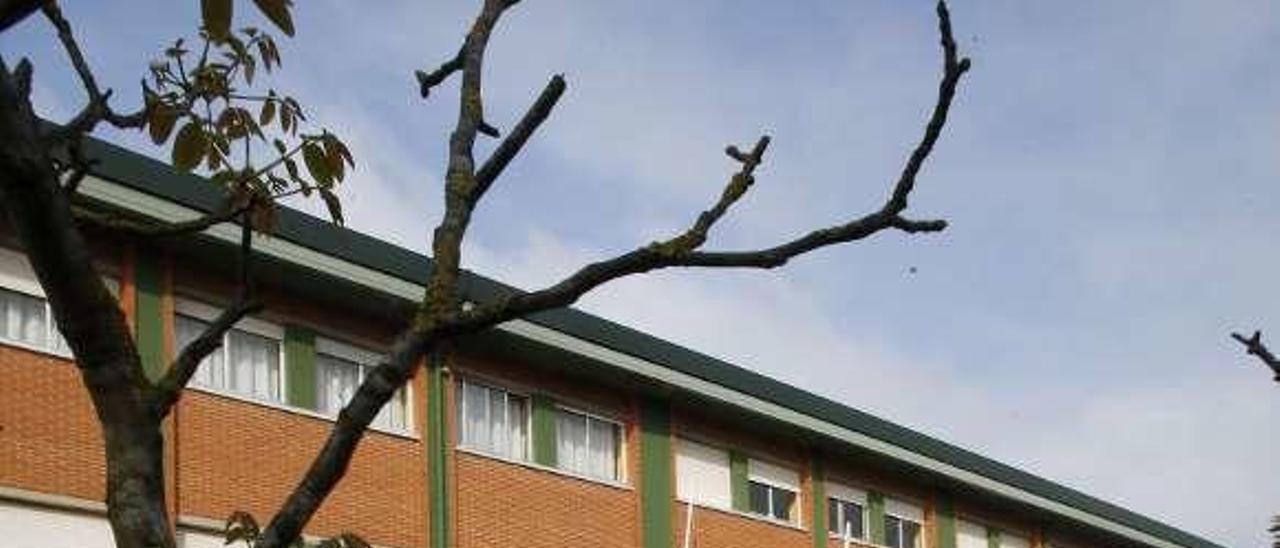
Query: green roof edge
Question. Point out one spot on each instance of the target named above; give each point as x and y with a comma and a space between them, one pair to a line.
140, 172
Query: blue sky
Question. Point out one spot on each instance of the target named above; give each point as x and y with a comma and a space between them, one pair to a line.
1109, 172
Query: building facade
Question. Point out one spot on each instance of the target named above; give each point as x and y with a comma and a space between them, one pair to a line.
558, 430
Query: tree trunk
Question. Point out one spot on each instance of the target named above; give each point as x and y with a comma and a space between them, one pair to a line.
135, 485
90, 319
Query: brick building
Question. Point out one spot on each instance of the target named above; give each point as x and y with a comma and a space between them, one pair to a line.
560, 430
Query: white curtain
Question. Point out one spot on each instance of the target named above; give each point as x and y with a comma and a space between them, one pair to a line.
336, 383
602, 449
211, 372
23, 319
571, 442
517, 427
494, 421
255, 365
586, 445
475, 416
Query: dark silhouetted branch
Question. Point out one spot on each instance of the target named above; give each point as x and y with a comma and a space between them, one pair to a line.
428, 80
97, 109
511, 146
1254, 347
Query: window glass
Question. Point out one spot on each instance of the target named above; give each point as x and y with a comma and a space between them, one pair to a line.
246, 364
901, 533
844, 518
781, 502
602, 445
586, 445
254, 365
494, 421
23, 318
338, 379
758, 498
770, 501
336, 382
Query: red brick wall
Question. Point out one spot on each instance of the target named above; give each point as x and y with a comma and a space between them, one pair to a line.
233, 455
49, 436
720, 529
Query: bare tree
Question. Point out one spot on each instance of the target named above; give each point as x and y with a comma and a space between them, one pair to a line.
40, 168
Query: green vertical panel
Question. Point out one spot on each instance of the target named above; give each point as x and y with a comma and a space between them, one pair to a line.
738, 481
817, 479
656, 493
993, 537
875, 511
437, 454
148, 315
544, 430
945, 516
300, 366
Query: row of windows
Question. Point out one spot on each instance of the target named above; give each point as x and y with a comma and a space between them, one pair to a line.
498, 422
250, 363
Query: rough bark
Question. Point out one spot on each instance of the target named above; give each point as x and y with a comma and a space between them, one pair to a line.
90, 320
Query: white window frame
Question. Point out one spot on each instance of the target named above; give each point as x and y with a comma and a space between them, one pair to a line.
460, 418
364, 359
207, 313
771, 475
905, 511
17, 276
843, 493
619, 451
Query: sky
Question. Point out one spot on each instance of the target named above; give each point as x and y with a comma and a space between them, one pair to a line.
1108, 171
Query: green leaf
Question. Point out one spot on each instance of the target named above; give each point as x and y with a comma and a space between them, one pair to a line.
333, 159
241, 527
217, 17
189, 147
278, 12
313, 156
292, 167
268, 112
160, 122
335, 206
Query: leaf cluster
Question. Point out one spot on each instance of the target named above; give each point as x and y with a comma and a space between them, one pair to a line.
241, 527
206, 103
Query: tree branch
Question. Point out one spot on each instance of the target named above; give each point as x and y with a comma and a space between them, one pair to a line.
1254, 347
169, 388
511, 146
96, 110
14, 11
154, 230
681, 251
428, 80
441, 317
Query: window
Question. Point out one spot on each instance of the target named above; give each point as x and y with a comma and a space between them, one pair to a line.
846, 512
901, 524
1011, 540
494, 421
247, 364
25, 317
970, 535
702, 474
340, 368
772, 491
587, 445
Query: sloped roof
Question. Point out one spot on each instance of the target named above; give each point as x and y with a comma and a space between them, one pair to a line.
145, 175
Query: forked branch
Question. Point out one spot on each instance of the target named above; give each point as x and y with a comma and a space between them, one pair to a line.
1254, 347
96, 110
